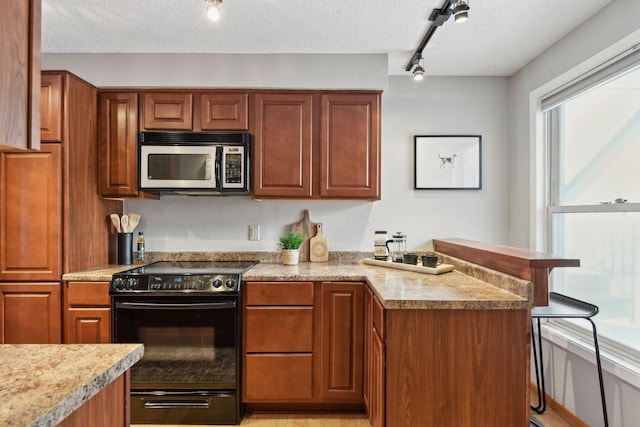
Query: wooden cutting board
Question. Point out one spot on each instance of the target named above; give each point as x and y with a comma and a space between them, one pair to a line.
307, 229
318, 246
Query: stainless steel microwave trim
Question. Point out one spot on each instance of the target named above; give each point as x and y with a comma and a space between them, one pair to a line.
223, 162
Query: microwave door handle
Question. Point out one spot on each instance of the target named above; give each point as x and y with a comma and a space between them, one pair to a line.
219, 166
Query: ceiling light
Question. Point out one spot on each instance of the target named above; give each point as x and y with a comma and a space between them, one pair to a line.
461, 11
213, 9
418, 71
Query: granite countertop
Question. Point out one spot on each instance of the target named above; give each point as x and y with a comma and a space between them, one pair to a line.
398, 289
469, 286
43, 383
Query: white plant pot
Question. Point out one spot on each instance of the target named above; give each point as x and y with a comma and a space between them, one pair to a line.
290, 256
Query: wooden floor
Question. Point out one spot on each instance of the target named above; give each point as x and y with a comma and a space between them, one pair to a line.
548, 419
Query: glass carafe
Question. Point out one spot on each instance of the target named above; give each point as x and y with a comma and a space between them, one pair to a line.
397, 246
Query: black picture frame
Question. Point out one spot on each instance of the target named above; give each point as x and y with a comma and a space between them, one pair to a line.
447, 162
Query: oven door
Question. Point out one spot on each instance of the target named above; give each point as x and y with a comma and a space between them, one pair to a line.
189, 373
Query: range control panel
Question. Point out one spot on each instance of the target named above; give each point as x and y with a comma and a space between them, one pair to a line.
124, 283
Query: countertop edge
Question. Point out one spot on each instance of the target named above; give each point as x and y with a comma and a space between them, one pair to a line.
79, 397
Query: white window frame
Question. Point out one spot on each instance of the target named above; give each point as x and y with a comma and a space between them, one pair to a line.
564, 333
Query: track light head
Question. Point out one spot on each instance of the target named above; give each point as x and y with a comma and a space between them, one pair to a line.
418, 73
213, 9
461, 12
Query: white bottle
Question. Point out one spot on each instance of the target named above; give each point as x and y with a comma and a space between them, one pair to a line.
380, 246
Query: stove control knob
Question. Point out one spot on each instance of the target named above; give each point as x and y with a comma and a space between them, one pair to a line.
230, 283
131, 283
217, 283
118, 283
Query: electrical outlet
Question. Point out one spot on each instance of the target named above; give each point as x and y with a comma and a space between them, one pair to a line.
254, 232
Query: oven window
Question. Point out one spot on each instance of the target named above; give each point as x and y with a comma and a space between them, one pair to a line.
184, 347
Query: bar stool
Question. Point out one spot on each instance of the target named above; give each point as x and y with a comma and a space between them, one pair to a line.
562, 306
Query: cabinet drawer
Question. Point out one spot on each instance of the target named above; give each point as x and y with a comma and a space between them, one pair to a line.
378, 315
278, 377
278, 329
278, 293
88, 294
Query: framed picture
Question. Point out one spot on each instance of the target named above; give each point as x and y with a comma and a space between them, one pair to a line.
447, 162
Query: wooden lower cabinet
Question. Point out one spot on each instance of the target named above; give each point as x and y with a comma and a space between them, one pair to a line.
30, 313
341, 345
303, 345
108, 408
374, 361
87, 313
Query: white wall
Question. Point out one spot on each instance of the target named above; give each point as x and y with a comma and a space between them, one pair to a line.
438, 105
571, 377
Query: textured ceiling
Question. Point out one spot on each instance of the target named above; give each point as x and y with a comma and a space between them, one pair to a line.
500, 37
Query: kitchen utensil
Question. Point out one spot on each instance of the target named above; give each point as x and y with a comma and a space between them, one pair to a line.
398, 246
307, 229
115, 220
134, 219
431, 260
125, 223
410, 258
318, 246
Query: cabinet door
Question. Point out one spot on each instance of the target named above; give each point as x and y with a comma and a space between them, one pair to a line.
377, 378
167, 111
118, 144
374, 371
278, 377
30, 313
51, 108
350, 146
20, 82
341, 348
88, 325
87, 313
30, 206
224, 111
282, 126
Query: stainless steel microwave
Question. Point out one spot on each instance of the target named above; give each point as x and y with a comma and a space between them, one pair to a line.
194, 163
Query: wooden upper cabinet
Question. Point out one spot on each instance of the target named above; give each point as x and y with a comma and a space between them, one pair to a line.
118, 143
282, 145
20, 82
350, 146
316, 145
167, 111
31, 212
51, 107
224, 111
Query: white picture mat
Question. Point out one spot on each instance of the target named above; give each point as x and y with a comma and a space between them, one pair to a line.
448, 162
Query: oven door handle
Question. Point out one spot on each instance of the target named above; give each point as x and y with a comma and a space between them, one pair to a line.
173, 306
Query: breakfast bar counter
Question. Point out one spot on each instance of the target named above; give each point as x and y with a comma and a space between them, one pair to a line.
50, 384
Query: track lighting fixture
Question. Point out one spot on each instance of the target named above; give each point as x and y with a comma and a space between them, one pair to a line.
461, 11
418, 71
213, 9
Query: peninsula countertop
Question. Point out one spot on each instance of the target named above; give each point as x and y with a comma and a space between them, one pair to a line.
44, 383
469, 286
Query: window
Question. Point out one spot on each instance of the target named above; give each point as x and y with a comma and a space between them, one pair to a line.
593, 137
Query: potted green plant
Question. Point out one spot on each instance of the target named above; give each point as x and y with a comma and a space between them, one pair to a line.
290, 244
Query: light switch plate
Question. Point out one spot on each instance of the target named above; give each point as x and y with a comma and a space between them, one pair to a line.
254, 232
